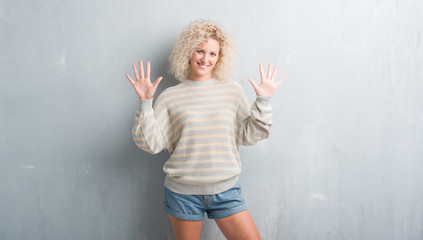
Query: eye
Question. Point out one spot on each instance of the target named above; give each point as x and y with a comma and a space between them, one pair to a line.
213, 54
199, 51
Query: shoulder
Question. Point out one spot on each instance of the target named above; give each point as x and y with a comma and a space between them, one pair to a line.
166, 96
169, 92
234, 87
231, 84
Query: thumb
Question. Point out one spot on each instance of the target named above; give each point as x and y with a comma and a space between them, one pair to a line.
158, 80
280, 81
253, 83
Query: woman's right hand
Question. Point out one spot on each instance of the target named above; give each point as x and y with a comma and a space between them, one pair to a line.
143, 86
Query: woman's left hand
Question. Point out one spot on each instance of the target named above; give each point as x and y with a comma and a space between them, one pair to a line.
267, 86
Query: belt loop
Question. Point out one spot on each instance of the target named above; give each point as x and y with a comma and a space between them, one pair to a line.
205, 200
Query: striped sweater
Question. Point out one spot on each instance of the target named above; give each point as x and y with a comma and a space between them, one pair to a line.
201, 124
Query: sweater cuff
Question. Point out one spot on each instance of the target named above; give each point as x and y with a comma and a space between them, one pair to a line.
263, 100
146, 105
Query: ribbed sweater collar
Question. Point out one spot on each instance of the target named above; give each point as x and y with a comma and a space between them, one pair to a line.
201, 83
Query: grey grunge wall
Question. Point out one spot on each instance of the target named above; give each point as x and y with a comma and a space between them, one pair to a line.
345, 155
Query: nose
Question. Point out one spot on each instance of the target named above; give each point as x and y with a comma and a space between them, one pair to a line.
205, 58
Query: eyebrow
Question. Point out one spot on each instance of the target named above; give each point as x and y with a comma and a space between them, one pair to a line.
200, 48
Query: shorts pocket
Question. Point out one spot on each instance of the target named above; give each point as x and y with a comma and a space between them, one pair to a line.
231, 193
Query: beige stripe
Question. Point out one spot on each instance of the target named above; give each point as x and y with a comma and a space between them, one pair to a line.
204, 178
142, 122
199, 95
174, 120
208, 106
146, 146
141, 144
253, 129
177, 89
153, 132
203, 153
190, 87
196, 170
139, 139
208, 144
248, 138
194, 120
190, 162
258, 128
256, 113
218, 135
184, 105
210, 128
203, 96
187, 138
262, 132
224, 177
181, 141
184, 101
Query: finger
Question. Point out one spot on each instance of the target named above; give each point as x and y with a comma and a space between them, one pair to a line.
156, 83
136, 72
280, 81
268, 70
147, 74
274, 73
253, 83
130, 79
141, 69
261, 72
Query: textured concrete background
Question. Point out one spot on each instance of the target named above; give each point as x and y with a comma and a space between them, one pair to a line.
345, 156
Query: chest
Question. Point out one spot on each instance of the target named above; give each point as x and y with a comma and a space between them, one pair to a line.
210, 110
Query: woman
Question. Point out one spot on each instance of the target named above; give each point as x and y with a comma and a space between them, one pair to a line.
202, 122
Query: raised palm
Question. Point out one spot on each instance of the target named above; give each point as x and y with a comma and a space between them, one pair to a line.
143, 86
267, 86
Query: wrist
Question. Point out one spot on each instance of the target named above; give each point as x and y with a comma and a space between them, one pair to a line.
146, 105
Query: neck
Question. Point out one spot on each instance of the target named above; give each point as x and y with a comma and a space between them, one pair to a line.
199, 78
201, 83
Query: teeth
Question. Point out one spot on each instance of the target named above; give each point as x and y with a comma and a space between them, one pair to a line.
202, 66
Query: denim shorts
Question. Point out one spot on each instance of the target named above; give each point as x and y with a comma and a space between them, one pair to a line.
193, 207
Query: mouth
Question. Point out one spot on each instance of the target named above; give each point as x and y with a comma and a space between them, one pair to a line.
202, 66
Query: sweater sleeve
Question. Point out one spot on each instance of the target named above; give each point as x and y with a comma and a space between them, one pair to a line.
146, 131
255, 122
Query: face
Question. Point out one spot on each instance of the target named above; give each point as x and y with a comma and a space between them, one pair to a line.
204, 59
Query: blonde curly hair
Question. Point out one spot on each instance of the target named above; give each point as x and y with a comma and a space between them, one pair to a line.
188, 40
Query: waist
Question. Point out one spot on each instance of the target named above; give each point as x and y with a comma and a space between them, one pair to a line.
178, 185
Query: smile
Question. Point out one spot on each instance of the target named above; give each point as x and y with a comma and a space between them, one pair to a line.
202, 66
